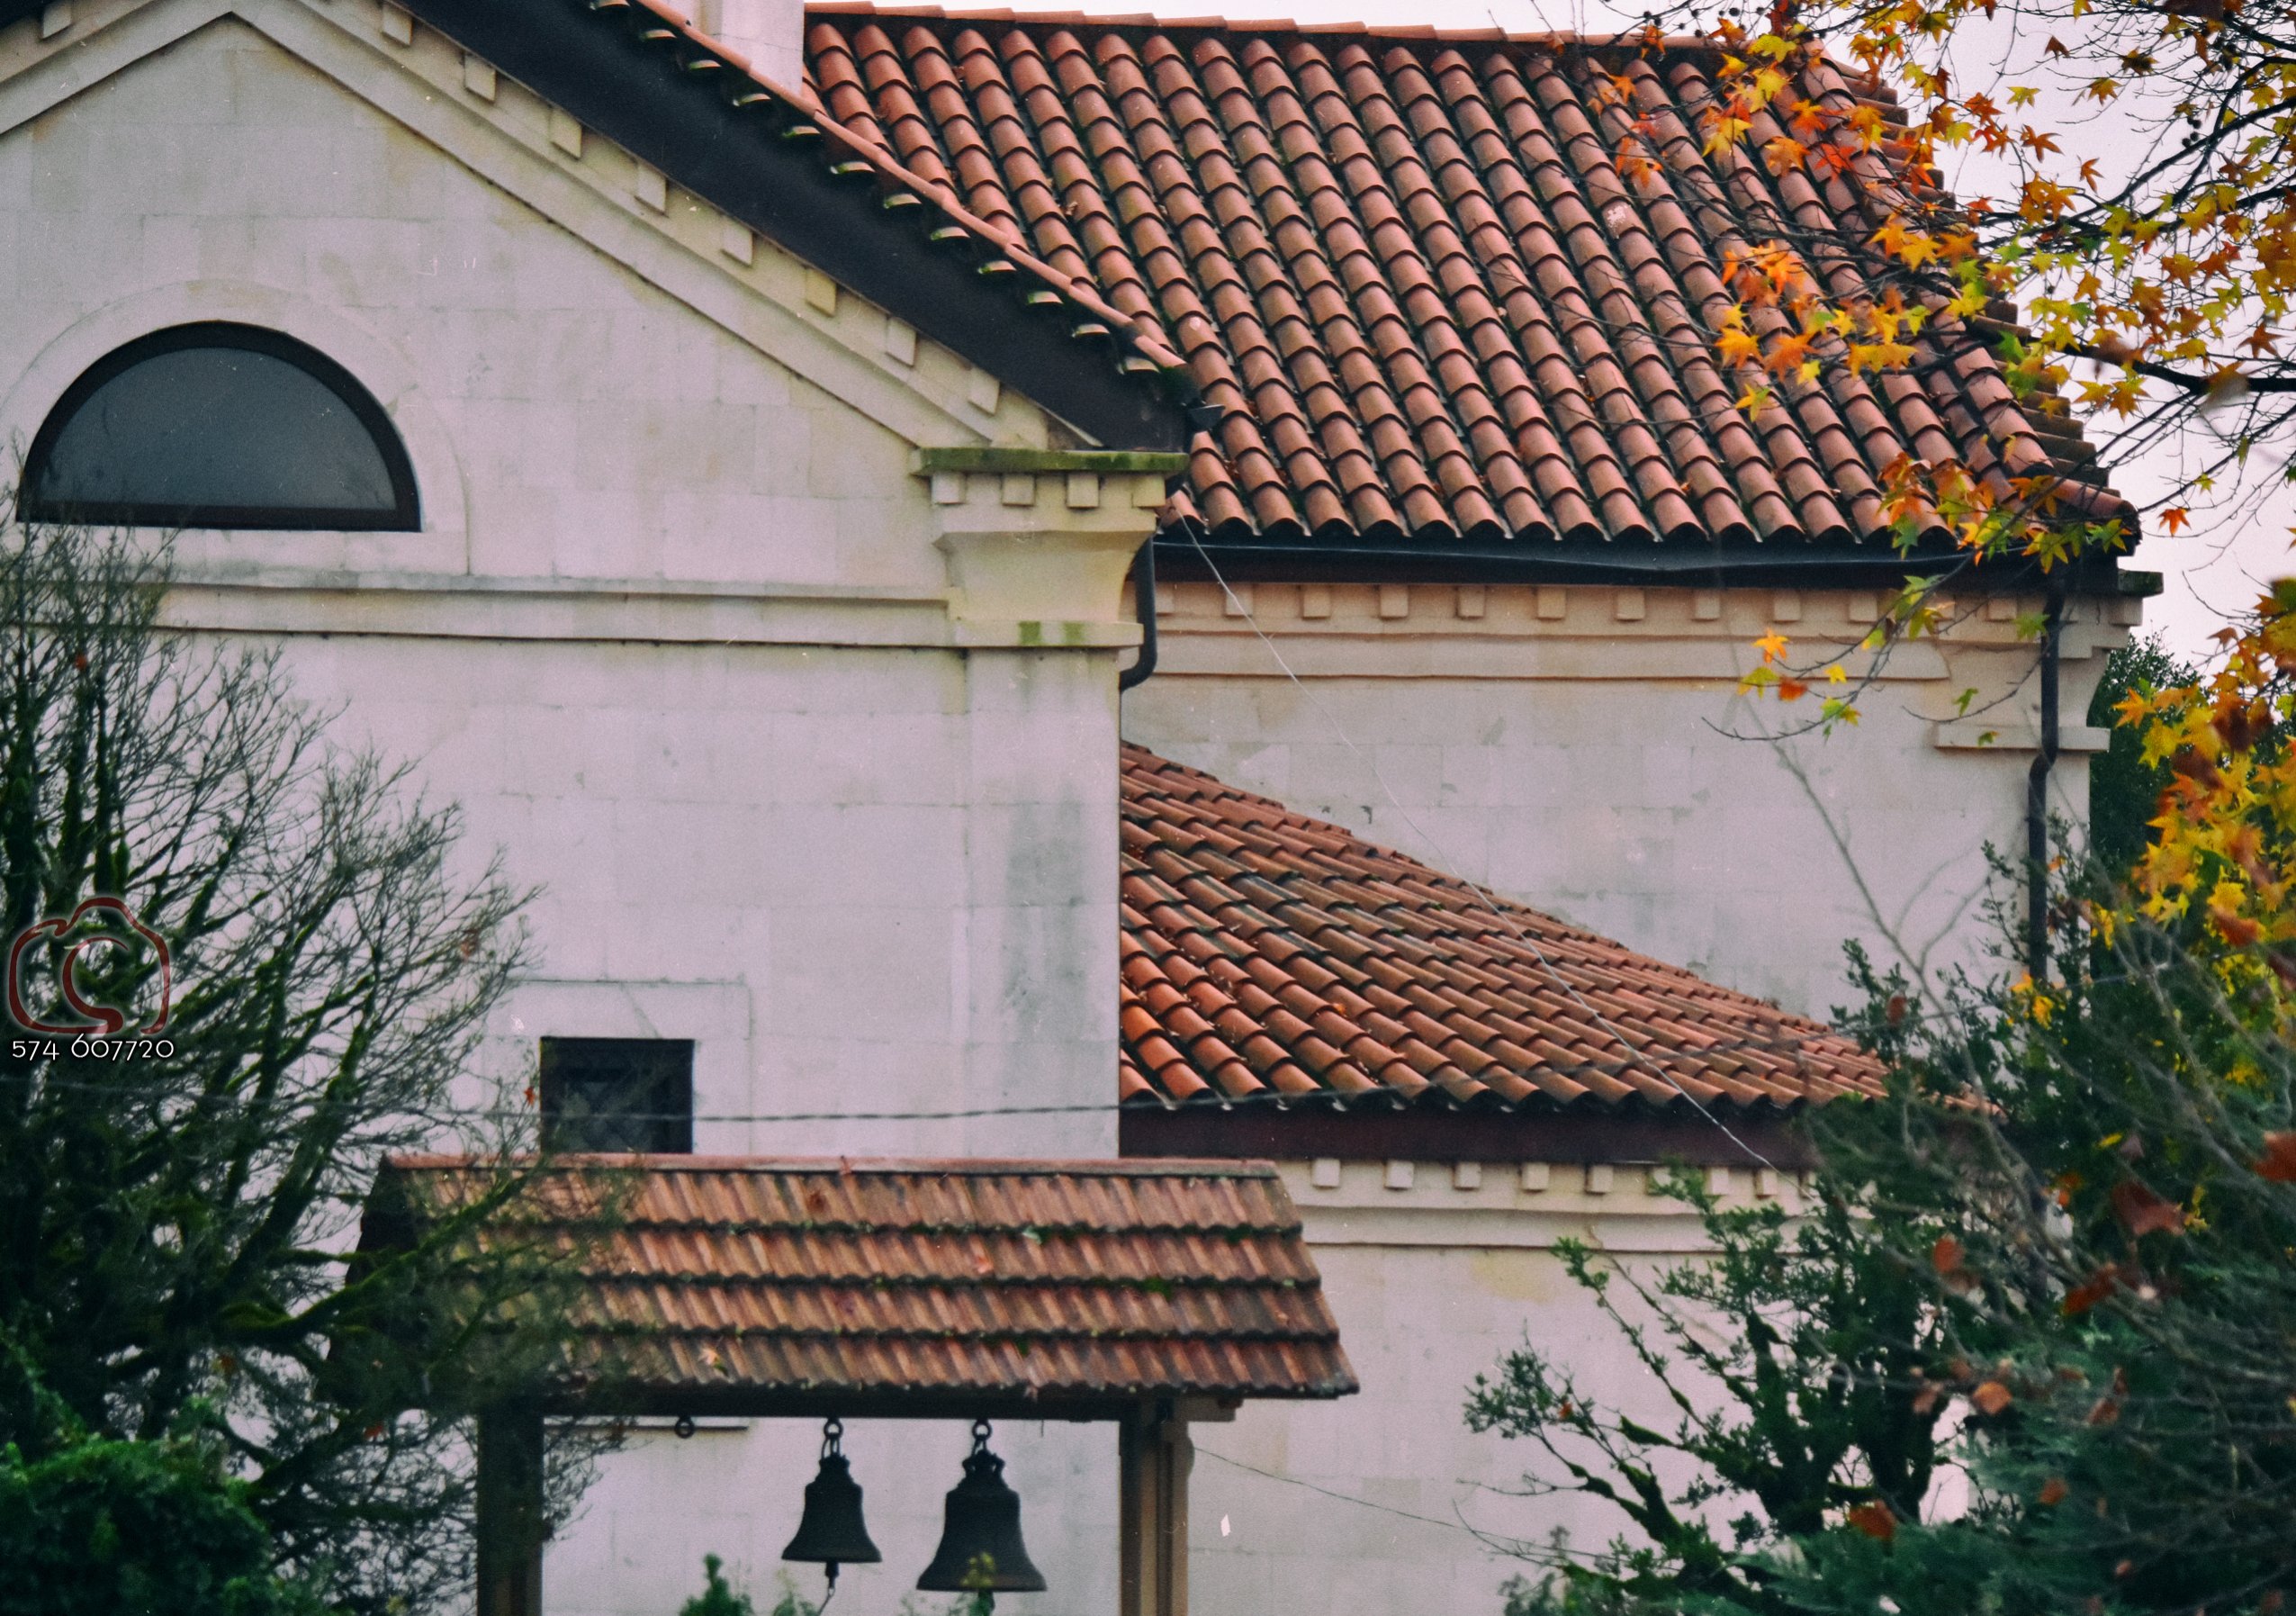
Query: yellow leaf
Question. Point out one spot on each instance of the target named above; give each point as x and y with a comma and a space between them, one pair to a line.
1772, 645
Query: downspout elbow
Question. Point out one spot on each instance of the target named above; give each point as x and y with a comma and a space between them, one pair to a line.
1144, 604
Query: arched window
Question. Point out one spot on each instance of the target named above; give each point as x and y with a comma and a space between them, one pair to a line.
218, 426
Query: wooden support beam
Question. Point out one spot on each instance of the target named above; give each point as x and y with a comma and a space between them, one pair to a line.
1155, 1455
512, 1521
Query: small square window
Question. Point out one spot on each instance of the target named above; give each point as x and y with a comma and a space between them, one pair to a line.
618, 1093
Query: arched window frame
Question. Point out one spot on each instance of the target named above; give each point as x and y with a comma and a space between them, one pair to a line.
404, 517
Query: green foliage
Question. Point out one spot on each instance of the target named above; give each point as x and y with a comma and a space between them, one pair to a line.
1788, 1419
2124, 789
718, 1597
136, 1529
2055, 1255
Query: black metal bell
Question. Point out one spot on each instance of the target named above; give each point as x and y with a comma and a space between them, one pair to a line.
830, 1532
981, 1551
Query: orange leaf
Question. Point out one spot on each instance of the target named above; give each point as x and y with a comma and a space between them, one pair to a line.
2176, 519
2091, 1291
2279, 1163
1876, 1521
1992, 1397
1792, 689
2237, 930
1945, 1256
2053, 1490
2145, 1213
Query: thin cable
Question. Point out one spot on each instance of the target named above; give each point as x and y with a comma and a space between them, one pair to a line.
1294, 1481
1379, 1099
1237, 608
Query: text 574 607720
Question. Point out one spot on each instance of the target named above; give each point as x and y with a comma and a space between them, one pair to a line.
91, 1049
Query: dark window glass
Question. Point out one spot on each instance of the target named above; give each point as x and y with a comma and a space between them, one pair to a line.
618, 1093
218, 426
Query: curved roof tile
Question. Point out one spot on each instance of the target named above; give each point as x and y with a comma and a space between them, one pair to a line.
1406, 267
1303, 961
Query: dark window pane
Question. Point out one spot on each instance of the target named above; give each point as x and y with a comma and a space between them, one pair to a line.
219, 426
618, 1093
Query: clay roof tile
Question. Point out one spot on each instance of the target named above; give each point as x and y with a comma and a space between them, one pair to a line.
1398, 978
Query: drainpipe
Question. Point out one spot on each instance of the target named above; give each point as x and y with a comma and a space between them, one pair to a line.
2037, 787
1144, 603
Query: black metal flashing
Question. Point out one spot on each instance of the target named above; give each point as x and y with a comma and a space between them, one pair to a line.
1763, 1138
1654, 564
704, 123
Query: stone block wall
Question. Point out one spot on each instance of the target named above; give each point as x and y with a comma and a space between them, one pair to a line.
1588, 751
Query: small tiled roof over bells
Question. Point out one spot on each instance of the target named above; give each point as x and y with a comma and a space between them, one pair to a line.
1405, 266
777, 1287
1274, 960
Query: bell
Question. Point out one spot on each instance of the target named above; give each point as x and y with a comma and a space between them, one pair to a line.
831, 1534
981, 1551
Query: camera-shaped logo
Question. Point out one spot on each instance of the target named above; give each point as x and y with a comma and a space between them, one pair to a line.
62, 942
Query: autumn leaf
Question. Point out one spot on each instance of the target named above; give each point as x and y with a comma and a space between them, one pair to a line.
1792, 689
1992, 1397
2143, 1213
1945, 1256
2279, 1163
2054, 1492
2235, 928
2175, 521
2091, 1291
1875, 1519
1772, 645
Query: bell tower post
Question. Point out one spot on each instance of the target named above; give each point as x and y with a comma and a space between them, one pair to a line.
1154, 1456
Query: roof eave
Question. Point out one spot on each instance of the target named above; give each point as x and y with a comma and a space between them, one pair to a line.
647, 102
1778, 565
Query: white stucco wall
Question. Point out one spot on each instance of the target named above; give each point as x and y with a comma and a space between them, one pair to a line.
1581, 750
680, 635
676, 634
1390, 1503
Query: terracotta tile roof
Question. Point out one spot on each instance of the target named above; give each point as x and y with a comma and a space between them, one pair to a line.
1269, 956
1405, 266
779, 1285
